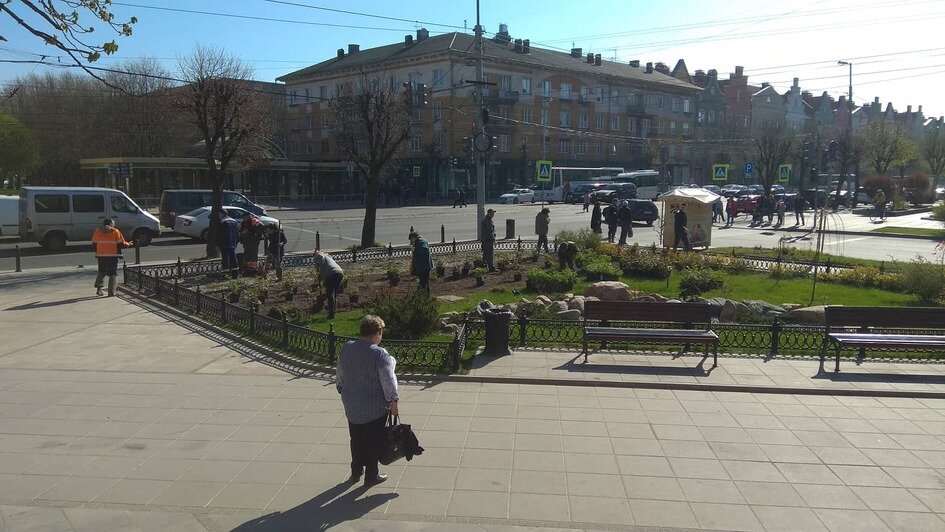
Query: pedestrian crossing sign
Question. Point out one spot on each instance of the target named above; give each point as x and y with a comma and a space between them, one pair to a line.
543, 171
784, 173
416, 171
720, 172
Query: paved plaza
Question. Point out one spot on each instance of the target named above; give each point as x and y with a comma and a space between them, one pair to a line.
117, 417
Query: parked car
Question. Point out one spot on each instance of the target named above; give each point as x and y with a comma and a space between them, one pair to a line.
643, 210
9, 215
53, 216
196, 223
713, 188
619, 191
746, 203
732, 190
581, 191
174, 202
517, 195
939, 192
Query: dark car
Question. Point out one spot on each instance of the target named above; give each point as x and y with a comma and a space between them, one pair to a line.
620, 191
174, 202
643, 210
577, 195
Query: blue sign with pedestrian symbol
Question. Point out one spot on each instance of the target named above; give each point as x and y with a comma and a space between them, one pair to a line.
720, 172
543, 171
749, 168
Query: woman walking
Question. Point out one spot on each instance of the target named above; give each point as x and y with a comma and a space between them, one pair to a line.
368, 386
596, 218
542, 223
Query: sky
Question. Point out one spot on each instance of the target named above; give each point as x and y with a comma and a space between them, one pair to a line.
895, 45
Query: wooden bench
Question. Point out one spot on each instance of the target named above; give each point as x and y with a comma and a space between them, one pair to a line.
868, 318
695, 318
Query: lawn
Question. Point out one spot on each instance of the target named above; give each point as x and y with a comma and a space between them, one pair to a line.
797, 254
9, 192
911, 231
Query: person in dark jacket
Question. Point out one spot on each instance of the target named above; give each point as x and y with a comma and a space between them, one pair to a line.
596, 218
421, 261
332, 275
487, 237
625, 221
251, 233
542, 223
681, 228
228, 236
610, 218
275, 249
800, 205
730, 211
366, 379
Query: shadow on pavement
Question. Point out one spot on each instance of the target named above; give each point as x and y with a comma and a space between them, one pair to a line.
37, 304
698, 370
326, 510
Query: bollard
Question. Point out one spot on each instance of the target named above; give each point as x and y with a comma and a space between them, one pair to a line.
509, 228
137, 253
318, 241
390, 249
442, 234
18, 259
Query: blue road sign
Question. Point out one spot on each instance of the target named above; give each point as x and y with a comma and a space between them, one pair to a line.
749, 168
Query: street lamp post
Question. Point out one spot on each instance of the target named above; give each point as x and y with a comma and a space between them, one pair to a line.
849, 133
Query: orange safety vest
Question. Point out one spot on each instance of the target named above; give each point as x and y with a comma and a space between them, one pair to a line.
108, 244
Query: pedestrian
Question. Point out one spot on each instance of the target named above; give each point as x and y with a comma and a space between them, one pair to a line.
782, 208
108, 242
228, 235
421, 260
462, 196
456, 201
717, 211
771, 205
800, 205
251, 233
879, 203
487, 237
596, 218
681, 228
332, 275
366, 380
275, 249
542, 222
730, 211
625, 220
610, 218
587, 201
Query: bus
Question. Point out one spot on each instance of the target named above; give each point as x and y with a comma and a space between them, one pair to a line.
647, 182
564, 178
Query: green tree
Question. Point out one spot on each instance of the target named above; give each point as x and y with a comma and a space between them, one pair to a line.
775, 145
883, 144
18, 152
933, 150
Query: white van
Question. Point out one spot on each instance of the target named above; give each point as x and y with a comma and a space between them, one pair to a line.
54, 215
9, 215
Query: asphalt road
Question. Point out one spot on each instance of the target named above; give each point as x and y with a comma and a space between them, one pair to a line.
342, 228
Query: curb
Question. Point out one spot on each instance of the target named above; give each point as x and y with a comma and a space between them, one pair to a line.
440, 378
845, 233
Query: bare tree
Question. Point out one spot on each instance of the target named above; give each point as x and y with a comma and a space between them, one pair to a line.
230, 117
18, 153
774, 145
371, 128
882, 143
933, 150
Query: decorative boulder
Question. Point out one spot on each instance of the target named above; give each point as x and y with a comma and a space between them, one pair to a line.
715, 305
485, 304
557, 306
732, 310
760, 309
577, 303
659, 297
450, 328
813, 314
570, 315
544, 300
645, 299
609, 291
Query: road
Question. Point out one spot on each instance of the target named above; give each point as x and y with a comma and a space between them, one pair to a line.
342, 228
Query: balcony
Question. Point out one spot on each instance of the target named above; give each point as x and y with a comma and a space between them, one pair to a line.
636, 109
499, 95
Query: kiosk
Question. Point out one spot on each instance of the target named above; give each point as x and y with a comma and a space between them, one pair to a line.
698, 203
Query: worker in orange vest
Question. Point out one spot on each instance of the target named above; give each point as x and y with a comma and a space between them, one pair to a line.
108, 242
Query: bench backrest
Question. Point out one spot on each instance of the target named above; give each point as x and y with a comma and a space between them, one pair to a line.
892, 317
694, 313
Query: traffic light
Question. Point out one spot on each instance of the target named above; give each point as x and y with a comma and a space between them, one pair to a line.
422, 99
832, 150
484, 116
808, 147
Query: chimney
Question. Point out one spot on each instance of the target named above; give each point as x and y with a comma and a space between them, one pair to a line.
503, 37
596, 59
422, 34
908, 108
699, 77
352, 48
526, 46
920, 109
765, 84
590, 58
408, 40
576, 52
796, 83
739, 71
876, 100
806, 94
341, 53
649, 68
518, 46
661, 68
713, 73
635, 63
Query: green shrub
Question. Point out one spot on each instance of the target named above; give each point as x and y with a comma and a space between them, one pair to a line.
393, 273
603, 269
648, 266
584, 238
693, 282
550, 281
588, 256
787, 271
410, 318
923, 279
503, 263
864, 277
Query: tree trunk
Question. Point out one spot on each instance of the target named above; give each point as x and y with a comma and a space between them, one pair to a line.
212, 250
370, 210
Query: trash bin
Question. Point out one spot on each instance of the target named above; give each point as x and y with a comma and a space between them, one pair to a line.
510, 229
497, 331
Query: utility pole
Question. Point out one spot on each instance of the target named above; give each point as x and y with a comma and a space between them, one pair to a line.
848, 139
481, 161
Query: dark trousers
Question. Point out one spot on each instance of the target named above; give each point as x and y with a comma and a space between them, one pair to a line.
424, 277
731, 217
228, 256
799, 218
488, 247
331, 288
365, 442
625, 231
682, 236
543, 242
107, 267
611, 232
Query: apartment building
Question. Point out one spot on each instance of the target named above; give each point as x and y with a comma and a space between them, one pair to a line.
573, 108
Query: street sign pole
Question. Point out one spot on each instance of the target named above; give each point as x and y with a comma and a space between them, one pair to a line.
481, 162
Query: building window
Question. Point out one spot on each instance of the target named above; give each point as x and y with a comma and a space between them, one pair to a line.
326, 147
339, 88
505, 82
415, 142
710, 117
308, 94
687, 105
632, 125
438, 111
295, 147
526, 85
565, 92
545, 145
661, 103
309, 121
582, 121
659, 127
647, 100
545, 117
646, 127
526, 114
614, 97
615, 123
672, 127
584, 94
323, 92
564, 119
674, 105
295, 98
504, 141
503, 111
437, 77
581, 147
685, 129
564, 146
546, 88
747, 121
600, 121
310, 147
599, 149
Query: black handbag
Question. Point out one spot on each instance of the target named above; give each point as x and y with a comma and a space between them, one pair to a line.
398, 442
